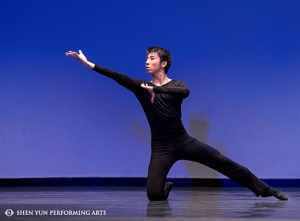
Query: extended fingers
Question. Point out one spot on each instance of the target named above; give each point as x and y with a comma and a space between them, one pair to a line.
71, 53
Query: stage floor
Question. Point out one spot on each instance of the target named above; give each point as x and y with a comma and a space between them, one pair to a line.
86, 203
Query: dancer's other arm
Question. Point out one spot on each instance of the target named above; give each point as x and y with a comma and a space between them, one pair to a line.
180, 90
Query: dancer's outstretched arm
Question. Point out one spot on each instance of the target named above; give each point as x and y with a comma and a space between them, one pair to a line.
124, 80
80, 57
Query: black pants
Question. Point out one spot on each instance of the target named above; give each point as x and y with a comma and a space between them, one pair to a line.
166, 153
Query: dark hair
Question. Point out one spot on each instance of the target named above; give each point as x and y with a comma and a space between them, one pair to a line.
163, 54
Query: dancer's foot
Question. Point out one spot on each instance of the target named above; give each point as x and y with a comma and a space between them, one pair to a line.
168, 187
276, 193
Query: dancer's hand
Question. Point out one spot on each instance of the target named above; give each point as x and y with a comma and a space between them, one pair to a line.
81, 57
150, 89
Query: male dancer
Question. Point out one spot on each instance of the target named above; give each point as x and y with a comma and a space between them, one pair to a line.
161, 100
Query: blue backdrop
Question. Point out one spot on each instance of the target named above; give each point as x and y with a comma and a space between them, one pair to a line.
241, 60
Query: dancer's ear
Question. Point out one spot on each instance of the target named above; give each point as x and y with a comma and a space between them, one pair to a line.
163, 64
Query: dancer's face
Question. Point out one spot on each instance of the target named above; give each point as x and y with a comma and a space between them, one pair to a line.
153, 64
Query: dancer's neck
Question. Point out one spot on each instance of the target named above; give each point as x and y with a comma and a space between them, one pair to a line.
160, 79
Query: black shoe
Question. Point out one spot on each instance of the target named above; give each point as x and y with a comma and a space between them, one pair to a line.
276, 193
168, 187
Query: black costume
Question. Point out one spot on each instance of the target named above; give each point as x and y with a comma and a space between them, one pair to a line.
170, 141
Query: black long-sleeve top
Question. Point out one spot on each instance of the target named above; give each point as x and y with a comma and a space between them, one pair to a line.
164, 115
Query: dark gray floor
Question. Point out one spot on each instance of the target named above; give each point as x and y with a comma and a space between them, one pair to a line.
132, 204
